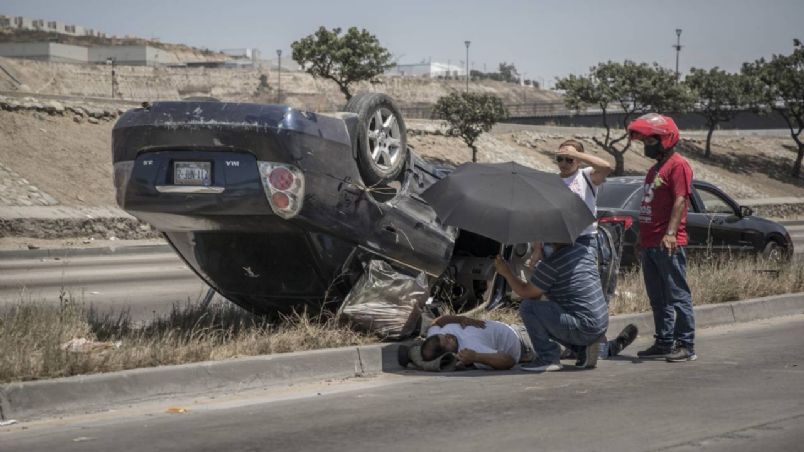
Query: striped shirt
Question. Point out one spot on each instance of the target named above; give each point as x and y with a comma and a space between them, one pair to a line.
569, 277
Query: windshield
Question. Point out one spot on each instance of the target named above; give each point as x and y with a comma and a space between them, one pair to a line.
614, 195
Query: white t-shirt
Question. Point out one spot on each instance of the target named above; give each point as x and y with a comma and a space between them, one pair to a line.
577, 183
496, 337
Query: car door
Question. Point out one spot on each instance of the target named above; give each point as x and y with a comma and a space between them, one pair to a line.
726, 231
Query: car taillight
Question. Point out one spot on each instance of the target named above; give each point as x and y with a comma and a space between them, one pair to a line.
626, 220
284, 187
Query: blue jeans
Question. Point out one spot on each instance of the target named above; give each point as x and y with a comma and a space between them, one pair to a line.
549, 325
670, 297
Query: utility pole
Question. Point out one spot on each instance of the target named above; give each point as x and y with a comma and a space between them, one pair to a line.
678, 49
467, 64
279, 76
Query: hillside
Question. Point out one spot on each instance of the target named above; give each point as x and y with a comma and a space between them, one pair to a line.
299, 89
65, 160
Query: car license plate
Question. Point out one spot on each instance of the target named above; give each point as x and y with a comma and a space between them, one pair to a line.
192, 173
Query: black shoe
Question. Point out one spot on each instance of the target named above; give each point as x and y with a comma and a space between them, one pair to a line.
680, 354
655, 351
624, 339
587, 356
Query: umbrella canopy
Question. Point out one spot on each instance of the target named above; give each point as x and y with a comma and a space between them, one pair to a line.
509, 203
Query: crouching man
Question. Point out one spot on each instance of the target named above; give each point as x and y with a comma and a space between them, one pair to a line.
575, 314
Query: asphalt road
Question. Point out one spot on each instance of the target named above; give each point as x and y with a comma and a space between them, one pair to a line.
744, 393
145, 284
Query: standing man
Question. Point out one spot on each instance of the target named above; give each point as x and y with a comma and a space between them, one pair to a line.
662, 238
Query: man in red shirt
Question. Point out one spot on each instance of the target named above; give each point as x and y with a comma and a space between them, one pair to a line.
662, 238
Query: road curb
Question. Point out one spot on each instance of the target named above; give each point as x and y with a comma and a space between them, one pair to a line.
80, 394
93, 251
90, 393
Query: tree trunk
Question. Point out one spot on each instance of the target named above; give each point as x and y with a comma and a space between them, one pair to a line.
474, 153
797, 165
708, 152
619, 162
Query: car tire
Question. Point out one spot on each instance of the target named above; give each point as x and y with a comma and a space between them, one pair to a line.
381, 144
773, 252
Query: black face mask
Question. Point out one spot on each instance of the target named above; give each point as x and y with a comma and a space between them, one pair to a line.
654, 151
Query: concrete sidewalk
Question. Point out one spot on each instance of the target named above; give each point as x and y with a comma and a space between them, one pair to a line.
92, 393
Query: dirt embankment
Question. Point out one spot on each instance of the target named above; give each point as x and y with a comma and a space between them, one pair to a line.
299, 89
69, 162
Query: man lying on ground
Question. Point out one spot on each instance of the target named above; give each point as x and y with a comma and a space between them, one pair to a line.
489, 344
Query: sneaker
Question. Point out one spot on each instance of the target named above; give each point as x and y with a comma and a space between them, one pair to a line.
655, 351
587, 356
626, 337
541, 366
681, 353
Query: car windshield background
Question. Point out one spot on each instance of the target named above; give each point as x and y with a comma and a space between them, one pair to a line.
615, 195
713, 203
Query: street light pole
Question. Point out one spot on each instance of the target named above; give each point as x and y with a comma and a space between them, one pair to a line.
279, 76
678, 49
467, 64
111, 61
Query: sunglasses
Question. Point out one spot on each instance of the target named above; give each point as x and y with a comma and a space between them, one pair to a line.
562, 159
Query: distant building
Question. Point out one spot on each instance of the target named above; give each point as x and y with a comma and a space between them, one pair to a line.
51, 26
427, 69
45, 51
137, 55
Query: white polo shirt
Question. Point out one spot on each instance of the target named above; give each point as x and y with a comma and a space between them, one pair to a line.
496, 337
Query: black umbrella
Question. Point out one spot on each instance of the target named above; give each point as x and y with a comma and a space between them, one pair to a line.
509, 203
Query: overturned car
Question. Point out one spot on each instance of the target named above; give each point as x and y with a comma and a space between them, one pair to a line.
274, 207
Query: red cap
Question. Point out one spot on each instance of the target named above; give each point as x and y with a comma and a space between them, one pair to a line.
654, 124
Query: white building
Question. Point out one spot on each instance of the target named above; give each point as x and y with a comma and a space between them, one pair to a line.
427, 69
138, 55
44, 51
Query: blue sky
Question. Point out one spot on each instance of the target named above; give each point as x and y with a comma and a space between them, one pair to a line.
544, 39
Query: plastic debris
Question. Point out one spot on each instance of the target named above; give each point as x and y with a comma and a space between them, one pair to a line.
7, 423
82, 345
176, 410
386, 302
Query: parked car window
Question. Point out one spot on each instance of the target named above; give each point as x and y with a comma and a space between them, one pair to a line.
615, 195
714, 203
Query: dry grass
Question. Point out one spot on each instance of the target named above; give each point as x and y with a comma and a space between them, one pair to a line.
716, 281
33, 335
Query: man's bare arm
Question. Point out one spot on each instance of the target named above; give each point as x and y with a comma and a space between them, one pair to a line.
670, 239
498, 361
600, 167
521, 288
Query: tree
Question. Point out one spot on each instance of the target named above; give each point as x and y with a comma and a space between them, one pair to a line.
353, 57
469, 114
508, 73
778, 85
631, 88
718, 96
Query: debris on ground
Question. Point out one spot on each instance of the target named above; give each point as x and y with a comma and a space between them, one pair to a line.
83, 345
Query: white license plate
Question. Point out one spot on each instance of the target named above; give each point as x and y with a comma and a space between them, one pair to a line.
192, 173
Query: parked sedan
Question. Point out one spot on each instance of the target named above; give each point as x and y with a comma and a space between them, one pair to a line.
716, 224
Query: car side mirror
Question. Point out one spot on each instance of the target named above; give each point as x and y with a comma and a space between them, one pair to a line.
746, 211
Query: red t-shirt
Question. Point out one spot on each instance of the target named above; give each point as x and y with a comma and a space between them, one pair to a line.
674, 179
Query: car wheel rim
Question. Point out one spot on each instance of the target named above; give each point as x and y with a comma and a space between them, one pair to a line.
775, 254
384, 140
